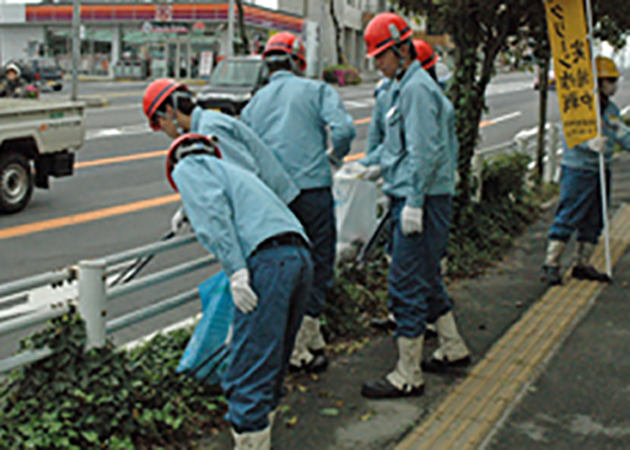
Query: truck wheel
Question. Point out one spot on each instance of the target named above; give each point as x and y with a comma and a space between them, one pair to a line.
16, 182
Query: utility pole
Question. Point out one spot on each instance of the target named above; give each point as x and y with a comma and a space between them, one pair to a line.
230, 30
76, 46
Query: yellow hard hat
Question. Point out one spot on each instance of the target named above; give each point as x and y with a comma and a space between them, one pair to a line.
606, 68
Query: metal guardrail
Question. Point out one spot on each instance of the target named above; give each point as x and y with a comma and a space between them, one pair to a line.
93, 294
524, 142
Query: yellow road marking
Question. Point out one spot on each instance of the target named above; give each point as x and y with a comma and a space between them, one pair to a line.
45, 225
119, 159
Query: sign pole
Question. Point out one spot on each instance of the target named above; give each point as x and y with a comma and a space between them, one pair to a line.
76, 47
602, 163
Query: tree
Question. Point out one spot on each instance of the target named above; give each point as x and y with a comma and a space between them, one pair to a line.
538, 38
335, 21
479, 29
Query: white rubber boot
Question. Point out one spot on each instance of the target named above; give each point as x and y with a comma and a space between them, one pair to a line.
408, 374
257, 440
314, 335
452, 351
406, 380
301, 356
552, 262
584, 252
554, 253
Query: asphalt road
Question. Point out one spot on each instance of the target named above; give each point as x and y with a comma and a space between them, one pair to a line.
119, 197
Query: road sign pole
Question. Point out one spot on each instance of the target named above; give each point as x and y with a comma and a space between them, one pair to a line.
602, 163
76, 47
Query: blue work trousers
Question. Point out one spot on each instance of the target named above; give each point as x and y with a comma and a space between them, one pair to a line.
314, 208
416, 291
263, 339
580, 207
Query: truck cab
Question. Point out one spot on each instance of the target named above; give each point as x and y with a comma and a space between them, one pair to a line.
233, 83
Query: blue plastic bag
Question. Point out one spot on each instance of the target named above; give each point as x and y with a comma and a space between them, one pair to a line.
211, 331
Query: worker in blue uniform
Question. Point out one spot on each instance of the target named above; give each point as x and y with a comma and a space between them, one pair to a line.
263, 249
580, 207
291, 114
418, 161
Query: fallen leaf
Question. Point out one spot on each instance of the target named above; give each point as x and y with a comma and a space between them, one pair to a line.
284, 409
315, 377
339, 403
301, 388
365, 417
329, 412
291, 422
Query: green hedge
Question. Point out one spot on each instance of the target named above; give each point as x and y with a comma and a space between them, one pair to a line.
104, 398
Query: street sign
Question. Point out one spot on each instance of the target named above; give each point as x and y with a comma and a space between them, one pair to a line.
568, 34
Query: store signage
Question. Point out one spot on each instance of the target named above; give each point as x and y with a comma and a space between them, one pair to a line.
170, 27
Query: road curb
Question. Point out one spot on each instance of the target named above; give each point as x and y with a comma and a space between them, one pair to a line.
469, 415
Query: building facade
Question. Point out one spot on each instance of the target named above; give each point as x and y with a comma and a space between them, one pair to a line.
172, 38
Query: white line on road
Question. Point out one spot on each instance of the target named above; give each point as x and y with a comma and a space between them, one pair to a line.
510, 116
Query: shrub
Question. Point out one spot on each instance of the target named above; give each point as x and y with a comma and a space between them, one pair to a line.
342, 75
104, 398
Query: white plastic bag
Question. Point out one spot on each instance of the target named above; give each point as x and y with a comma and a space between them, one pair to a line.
355, 212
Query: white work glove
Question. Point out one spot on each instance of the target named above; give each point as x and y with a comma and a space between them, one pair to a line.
244, 297
411, 220
372, 173
358, 170
179, 222
597, 144
354, 169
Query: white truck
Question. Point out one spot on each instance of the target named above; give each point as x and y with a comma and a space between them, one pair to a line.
37, 140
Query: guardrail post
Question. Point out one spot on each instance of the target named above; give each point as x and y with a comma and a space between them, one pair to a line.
93, 300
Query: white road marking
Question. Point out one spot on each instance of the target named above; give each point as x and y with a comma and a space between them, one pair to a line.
510, 116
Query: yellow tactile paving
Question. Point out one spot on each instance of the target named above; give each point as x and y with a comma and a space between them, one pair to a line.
471, 411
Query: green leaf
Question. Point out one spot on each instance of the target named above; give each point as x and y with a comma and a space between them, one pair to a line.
90, 436
329, 412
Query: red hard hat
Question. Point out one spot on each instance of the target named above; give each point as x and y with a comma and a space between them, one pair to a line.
426, 55
191, 142
384, 31
289, 43
155, 94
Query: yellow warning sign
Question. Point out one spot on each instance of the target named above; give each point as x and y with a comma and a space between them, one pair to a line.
568, 35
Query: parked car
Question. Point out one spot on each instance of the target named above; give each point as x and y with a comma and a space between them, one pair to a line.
233, 83
44, 73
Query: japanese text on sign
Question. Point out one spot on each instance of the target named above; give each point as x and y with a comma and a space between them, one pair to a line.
573, 70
